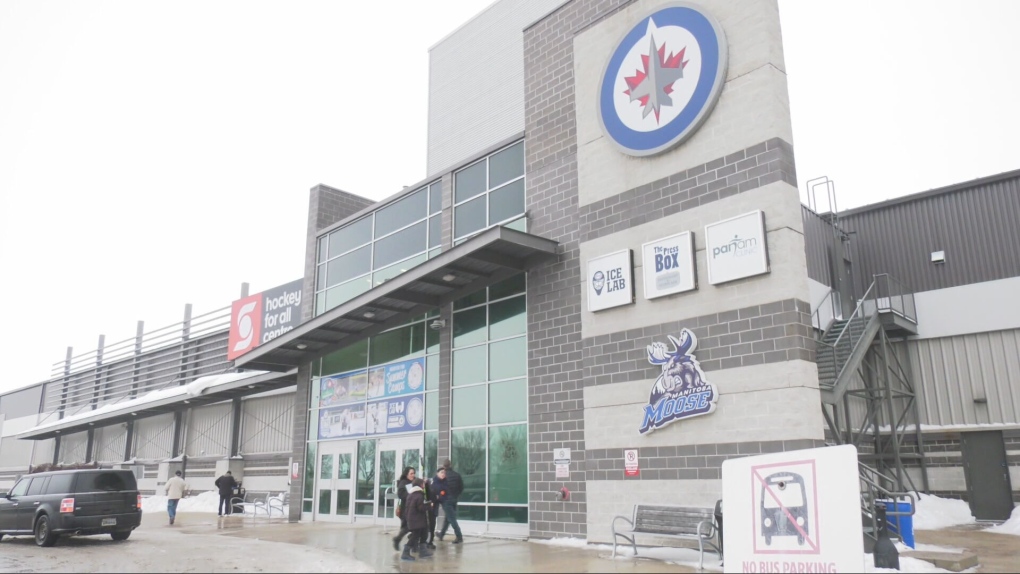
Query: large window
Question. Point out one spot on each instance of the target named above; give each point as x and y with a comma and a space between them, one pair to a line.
489, 407
378, 247
384, 385
490, 192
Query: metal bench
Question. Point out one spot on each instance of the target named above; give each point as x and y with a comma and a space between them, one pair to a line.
672, 521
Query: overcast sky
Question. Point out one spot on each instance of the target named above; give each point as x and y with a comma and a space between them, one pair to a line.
154, 154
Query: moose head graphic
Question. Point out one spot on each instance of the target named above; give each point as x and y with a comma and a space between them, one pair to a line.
680, 391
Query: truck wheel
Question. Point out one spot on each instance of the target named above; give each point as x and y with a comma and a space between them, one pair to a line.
120, 535
43, 535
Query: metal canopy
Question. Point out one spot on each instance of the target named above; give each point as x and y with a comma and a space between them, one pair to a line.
489, 257
143, 407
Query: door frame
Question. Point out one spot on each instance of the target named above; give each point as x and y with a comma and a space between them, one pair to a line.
399, 444
992, 480
335, 449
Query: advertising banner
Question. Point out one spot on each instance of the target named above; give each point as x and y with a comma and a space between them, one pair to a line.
342, 421
393, 380
262, 317
396, 415
668, 265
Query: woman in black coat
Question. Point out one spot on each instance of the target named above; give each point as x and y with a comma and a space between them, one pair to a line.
405, 479
417, 521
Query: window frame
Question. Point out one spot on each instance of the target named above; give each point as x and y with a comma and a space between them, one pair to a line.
457, 238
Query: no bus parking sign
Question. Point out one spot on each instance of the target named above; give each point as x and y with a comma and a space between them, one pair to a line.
795, 511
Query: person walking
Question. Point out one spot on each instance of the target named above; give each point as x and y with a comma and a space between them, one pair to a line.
454, 488
174, 489
417, 521
435, 492
226, 484
406, 478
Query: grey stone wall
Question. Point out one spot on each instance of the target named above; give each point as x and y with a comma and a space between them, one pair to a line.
555, 372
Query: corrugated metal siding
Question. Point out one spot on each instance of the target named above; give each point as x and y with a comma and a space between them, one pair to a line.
72, 447
476, 82
976, 226
267, 424
209, 430
952, 371
818, 243
109, 443
154, 437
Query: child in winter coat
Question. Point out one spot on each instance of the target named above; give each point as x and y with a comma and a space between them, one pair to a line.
417, 521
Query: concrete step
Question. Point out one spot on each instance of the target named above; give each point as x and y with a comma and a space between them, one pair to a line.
952, 561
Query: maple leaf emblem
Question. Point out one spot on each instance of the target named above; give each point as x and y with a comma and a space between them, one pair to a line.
653, 85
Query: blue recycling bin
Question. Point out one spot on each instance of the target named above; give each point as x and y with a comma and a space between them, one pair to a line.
900, 525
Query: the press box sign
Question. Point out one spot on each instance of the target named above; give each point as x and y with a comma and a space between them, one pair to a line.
668, 265
262, 317
610, 281
735, 248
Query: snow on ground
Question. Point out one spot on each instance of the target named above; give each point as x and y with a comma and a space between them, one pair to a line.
919, 547
204, 502
689, 557
934, 512
1011, 526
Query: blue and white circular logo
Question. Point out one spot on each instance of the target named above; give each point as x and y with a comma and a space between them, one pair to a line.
662, 80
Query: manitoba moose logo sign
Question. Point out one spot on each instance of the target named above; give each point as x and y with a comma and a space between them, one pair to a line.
662, 80
680, 391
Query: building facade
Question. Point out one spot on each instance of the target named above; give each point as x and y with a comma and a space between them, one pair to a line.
607, 286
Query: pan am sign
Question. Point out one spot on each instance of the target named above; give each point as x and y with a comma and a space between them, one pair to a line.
736, 248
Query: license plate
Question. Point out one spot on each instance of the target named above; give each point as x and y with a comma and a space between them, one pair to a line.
109, 522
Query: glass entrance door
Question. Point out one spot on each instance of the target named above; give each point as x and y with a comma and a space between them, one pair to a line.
394, 455
334, 481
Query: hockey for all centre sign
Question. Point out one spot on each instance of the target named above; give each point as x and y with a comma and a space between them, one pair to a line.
262, 317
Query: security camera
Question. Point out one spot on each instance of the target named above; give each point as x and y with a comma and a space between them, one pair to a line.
437, 324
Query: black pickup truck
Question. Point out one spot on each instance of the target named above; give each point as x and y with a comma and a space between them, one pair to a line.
48, 505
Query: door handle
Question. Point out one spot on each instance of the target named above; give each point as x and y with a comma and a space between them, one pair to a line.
37, 504
15, 504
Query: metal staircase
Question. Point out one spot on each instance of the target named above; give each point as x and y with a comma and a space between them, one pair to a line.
866, 390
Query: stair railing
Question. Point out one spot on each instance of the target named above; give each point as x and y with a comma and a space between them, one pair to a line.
828, 311
873, 492
844, 344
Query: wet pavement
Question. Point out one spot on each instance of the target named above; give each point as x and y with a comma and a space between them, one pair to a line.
202, 542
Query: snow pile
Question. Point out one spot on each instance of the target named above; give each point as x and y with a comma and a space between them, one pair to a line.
1011, 526
205, 502
933, 512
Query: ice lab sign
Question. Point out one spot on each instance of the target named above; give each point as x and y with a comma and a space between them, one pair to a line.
802, 512
262, 317
609, 281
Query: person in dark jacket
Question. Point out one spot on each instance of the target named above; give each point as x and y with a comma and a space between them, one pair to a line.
454, 488
226, 484
417, 521
432, 509
406, 478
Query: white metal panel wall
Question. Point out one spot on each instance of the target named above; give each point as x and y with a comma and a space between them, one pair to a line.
16, 453
476, 82
109, 443
968, 379
266, 424
209, 430
42, 451
154, 437
72, 447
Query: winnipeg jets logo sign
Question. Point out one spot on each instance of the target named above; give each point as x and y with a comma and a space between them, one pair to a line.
662, 80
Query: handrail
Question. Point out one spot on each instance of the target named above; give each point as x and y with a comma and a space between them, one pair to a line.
854, 315
816, 318
873, 492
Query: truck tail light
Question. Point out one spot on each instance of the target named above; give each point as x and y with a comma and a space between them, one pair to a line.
139, 502
67, 505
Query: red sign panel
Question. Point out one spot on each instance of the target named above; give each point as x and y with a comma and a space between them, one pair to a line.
245, 326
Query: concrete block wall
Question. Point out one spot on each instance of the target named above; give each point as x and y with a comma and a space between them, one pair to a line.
754, 334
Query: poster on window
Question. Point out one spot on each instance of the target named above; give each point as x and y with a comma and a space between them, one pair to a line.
342, 421
396, 415
397, 379
340, 389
